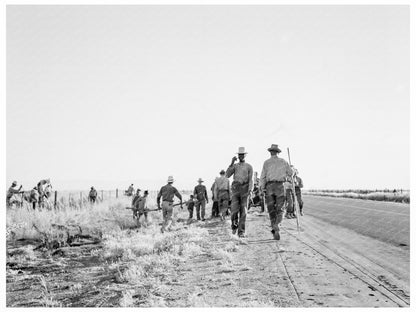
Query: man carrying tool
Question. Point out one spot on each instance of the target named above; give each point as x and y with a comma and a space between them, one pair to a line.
10, 193
298, 185
200, 193
222, 193
290, 200
274, 173
167, 193
141, 206
241, 188
135, 202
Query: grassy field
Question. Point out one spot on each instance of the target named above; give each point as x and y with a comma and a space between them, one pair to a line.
382, 195
139, 261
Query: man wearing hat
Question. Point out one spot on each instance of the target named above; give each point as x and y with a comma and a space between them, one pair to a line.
167, 193
201, 196
298, 185
11, 191
241, 188
274, 173
222, 193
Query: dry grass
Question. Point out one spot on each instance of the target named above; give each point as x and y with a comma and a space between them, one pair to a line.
144, 261
363, 194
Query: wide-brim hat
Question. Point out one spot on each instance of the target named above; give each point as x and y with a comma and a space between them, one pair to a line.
170, 179
275, 148
200, 180
241, 150
14, 183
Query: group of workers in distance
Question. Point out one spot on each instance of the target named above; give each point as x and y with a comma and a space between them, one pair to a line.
37, 196
278, 185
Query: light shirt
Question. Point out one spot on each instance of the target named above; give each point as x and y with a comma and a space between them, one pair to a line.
167, 192
274, 169
243, 173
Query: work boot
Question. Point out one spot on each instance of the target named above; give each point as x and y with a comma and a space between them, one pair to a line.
234, 231
242, 235
301, 213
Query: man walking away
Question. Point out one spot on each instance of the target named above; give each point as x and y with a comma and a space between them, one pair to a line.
10, 193
190, 206
141, 205
274, 173
222, 193
215, 208
167, 193
200, 193
92, 196
298, 192
134, 202
34, 197
241, 188
290, 201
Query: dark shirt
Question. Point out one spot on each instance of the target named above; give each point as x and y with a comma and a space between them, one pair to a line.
200, 192
167, 192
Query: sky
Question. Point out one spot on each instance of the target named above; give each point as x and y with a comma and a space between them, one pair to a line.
113, 95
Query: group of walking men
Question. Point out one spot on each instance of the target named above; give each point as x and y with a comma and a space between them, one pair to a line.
276, 172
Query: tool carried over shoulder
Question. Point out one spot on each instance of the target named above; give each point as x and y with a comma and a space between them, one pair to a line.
146, 210
295, 202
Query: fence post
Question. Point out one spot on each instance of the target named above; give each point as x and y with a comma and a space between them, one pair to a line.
116, 193
55, 199
102, 195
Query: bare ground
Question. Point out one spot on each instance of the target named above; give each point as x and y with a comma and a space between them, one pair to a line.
323, 265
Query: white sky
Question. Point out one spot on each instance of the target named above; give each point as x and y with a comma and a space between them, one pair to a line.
109, 95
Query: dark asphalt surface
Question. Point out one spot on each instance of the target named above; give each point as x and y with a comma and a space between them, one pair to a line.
386, 221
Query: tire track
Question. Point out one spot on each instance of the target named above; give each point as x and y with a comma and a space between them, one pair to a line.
373, 284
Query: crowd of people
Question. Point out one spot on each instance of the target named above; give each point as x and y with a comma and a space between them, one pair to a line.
278, 186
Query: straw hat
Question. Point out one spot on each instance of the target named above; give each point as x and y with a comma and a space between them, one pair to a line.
200, 180
170, 179
275, 148
241, 150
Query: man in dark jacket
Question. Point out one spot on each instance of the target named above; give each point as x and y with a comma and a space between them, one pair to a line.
201, 196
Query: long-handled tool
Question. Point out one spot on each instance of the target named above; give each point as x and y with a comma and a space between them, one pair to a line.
295, 203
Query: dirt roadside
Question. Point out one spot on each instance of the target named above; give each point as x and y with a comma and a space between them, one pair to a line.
324, 265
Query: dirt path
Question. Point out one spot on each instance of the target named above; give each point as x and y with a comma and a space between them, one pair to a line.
324, 265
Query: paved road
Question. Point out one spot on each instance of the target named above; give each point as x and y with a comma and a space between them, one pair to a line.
386, 221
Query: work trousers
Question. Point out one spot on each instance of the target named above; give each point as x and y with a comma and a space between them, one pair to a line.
299, 197
275, 200
223, 199
215, 209
200, 209
290, 201
167, 210
239, 201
